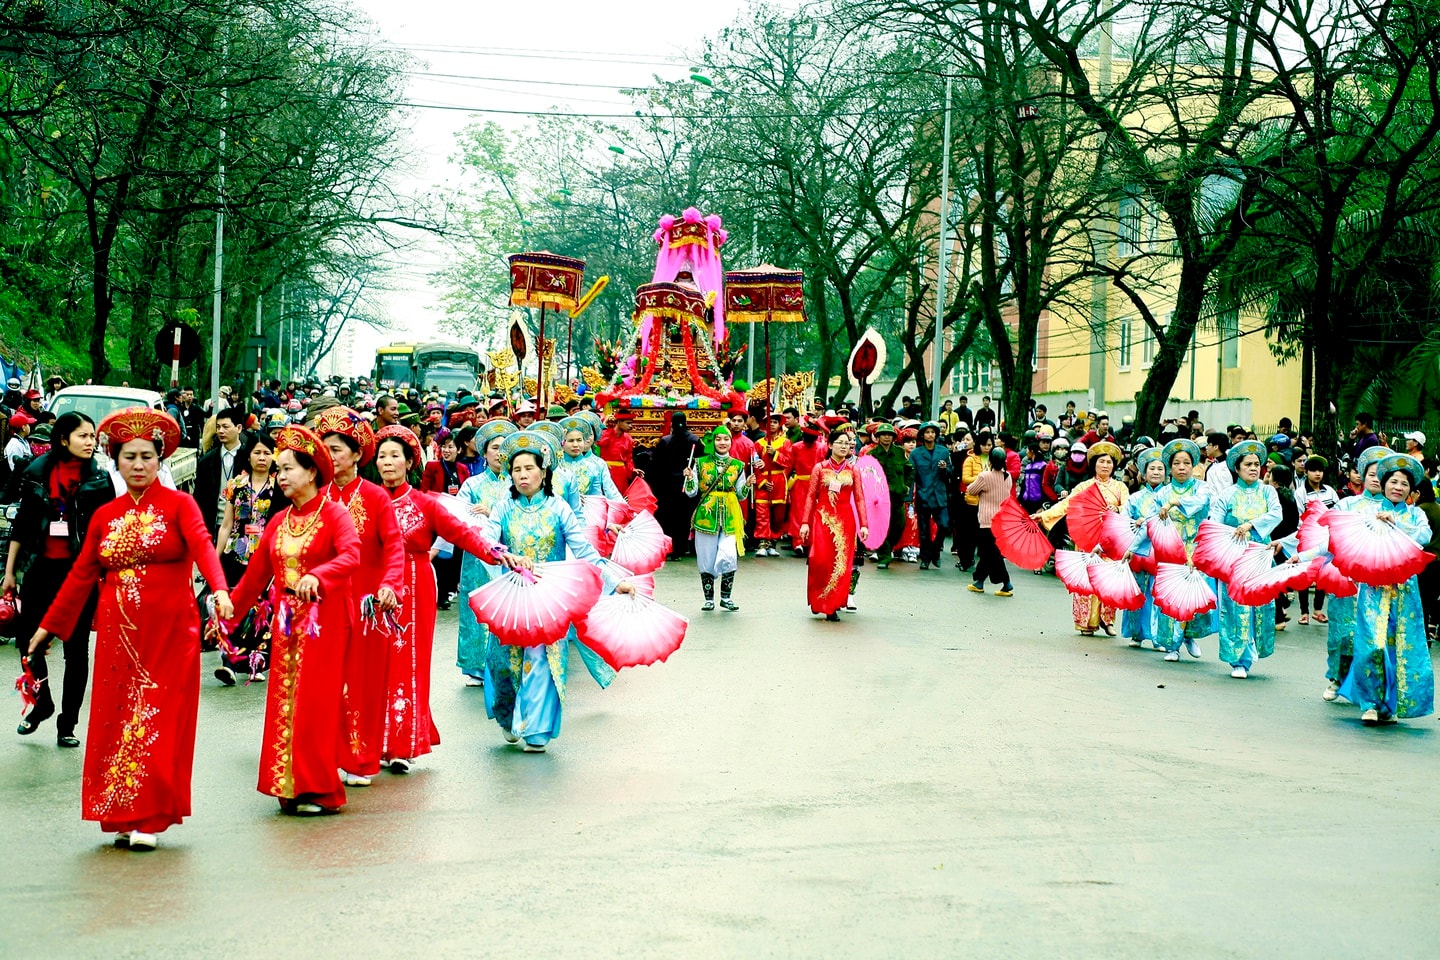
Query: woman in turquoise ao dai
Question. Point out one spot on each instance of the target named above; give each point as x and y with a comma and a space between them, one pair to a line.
1340, 631
1185, 502
483, 492
1391, 676
525, 687
581, 469
1253, 509
1139, 625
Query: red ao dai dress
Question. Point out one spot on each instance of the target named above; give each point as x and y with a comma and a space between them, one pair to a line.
834, 507
301, 750
381, 557
409, 730
140, 745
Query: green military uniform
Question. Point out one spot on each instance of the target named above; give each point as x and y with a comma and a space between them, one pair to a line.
899, 477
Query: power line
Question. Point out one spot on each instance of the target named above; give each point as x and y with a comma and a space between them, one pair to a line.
538, 83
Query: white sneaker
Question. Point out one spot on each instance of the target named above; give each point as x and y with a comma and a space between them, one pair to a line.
1239, 673
122, 839
1369, 718
400, 765
534, 748
225, 675
1331, 691
353, 779
1137, 644
143, 841
509, 737
1172, 657
850, 604
258, 678
308, 809
1192, 647
473, 681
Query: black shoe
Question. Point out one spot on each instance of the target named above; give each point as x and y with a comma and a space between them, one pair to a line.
443, 605
38, 714
67, 740
924, 564
832, 617
225, 675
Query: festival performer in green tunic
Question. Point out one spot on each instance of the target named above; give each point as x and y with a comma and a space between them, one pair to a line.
720, 481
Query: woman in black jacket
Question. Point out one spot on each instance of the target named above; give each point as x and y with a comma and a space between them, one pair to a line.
58, 493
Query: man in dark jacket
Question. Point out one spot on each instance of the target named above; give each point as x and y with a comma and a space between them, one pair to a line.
217, 467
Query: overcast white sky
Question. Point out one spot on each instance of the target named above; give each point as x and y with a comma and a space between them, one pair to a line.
512, 57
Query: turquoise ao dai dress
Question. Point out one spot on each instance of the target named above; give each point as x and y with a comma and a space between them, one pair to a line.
485, 489
1140, 625
1391, 672
1246, 632
588, 476
1340, 631
525, 686
1189, 503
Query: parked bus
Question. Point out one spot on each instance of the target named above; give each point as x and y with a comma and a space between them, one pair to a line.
395, 367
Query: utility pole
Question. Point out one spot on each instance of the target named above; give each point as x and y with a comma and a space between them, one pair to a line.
215, 310
754, 259
942, 268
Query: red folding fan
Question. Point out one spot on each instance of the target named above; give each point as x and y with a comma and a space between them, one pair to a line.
1115, 585
1166, 543
1217, 550
1182, 592
1371, 551
1313, 536
1256, 579
631, 630
1020, 539
1333, 582
1073, 569
525, 610
1085, 517
1117, 534
642, 545
640, 496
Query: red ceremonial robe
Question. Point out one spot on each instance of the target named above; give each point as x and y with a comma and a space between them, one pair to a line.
381, 559
409, 730
140, 745
618, 452
300, 752
835, 510
801, 459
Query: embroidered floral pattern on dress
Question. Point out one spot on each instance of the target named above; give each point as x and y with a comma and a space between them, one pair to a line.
124, 771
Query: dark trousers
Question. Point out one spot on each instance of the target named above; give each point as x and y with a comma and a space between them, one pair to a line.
42, 582
930, 548
896, 529
989, 563
1305, 600
1429, 584
257, 633
447, 574
967, 532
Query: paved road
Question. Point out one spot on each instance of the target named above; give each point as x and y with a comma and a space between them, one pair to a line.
940, 775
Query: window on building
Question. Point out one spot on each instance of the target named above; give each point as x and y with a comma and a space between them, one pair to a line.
1131, 215
1126, 332
1230, 339
1147, 344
